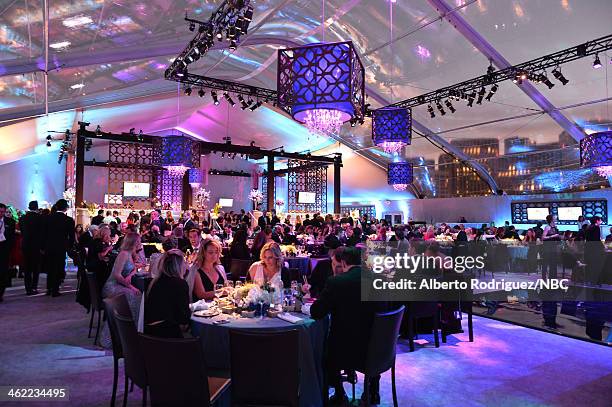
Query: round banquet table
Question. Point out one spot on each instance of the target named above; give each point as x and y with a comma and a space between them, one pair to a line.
215, 343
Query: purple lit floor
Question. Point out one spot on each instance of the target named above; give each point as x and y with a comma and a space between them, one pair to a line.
44, 342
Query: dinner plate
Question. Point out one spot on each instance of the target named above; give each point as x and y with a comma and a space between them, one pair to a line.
207, 313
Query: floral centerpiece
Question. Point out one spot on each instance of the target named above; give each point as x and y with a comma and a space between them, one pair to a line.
253, 298
69, 195
202, 197
279, 204
256, 196
288, 250
91, 207
216, 209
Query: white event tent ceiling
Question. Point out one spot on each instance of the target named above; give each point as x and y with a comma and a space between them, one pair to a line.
106, 61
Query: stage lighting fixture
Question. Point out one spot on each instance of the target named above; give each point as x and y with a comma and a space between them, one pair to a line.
219, 36
191, 26
596, 62
188, 91
49, 138
133, 131
233, 45
449, 105
243, 103
201, 93
222, 155
544, 79
481, 95
98, 131
213, 94
440, 108
352, 121
229, 99
48, 144
255, 106
559, 76
430, 109
491, 92
189, 59
231, 32
248, 14
471, 98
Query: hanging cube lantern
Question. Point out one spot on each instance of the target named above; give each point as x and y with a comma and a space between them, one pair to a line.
177, 154
400, 175
321, 85
195, 177
392, 128
596, 153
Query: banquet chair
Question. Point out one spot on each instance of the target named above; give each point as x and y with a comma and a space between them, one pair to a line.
188, 383
96, 304
381, 352
239, 269
416, 310
134, 362
114, 304
265, 384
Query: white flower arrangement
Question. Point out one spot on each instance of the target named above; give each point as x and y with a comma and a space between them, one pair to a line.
251, 294
202, 195
280, 202
69, 194
256, 195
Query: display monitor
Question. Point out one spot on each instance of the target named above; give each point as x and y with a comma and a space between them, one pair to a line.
537, 213
306, 197
569, 213
226, 202
136, 189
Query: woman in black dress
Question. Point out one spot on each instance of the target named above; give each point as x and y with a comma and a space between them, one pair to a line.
167, 311
238, 248
207, 270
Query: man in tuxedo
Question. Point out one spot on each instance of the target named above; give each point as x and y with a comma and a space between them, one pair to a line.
31, 227
351, 322
594, 251
193, 242
263, 220
7, 234
275, 219
188, 224
59, 237
98, 219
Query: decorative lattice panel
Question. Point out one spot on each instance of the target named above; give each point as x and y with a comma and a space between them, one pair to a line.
306, 177
391, 125
596, 150
171, 191
369, 210
400, 173
131, 162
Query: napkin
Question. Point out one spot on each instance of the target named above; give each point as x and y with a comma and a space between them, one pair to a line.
200, 306
306, 308
289, 318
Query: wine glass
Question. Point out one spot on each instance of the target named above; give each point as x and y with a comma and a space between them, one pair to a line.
238, 284
219, 290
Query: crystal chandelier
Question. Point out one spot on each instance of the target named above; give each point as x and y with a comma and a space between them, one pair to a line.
391, 128
596, 153
177, 170
323, 121
321, 85
400, 187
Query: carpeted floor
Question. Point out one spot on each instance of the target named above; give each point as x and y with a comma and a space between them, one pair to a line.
44, 342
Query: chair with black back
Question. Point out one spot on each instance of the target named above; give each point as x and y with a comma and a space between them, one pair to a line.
417, 310
117, 304
134, 361
96, 304
382, 349
239, 269
269, 384
294, 274
177, 374
319, 275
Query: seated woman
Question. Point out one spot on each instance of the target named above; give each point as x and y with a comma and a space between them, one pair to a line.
119, 282
261, 238
238, 248
270, 268
167, 300
98, 255
207, 271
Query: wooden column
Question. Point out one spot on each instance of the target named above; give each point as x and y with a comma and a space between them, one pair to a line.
79, 176
337, 166
270, 182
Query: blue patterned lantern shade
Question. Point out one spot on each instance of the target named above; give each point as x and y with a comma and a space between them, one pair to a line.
392, 128
596, 152
195, 176
400, 175
321, 85
177, 154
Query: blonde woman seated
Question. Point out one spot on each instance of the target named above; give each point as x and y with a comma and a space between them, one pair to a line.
270, 268
207, 271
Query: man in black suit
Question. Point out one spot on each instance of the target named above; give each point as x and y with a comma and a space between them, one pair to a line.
31, 227
7, 234
263, 220
351, 322
59, 237
594, 251
98, 219
186, 221
275, 219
